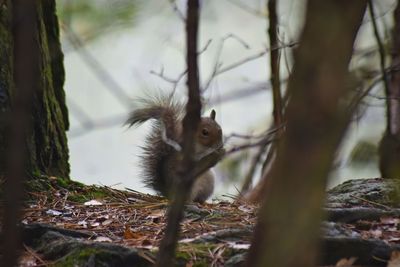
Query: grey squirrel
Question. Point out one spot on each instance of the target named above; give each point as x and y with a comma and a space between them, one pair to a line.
162, 147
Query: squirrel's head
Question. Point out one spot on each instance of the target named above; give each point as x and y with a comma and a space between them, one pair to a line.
209, 132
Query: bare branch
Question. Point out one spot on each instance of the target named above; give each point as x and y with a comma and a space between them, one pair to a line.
262, 142
253, 166
256, 56
237, 38
218, 69
266, 138
176, 81
205, 47
217, 63
259, 136
172, 81
162, 76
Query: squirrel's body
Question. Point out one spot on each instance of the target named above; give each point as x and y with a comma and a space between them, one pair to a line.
162, 147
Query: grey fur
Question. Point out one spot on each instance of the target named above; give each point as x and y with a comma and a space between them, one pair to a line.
160, 156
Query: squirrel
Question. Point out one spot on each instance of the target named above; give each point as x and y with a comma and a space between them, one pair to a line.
162, 149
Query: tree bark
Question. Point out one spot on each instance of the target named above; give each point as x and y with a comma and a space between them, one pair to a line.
289, 221
389, 147
47, 144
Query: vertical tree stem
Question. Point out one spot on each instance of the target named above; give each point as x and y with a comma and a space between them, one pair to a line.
382, 62
274, 62
288, 227
26, 75
191, 120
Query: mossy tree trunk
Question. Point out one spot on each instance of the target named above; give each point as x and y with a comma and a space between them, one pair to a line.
47, 143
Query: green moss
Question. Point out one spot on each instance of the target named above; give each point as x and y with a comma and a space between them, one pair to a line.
201, 250
47, 146
81, 257
77, 191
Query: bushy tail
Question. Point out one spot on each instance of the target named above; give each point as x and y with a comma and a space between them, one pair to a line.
160, 108
159, 157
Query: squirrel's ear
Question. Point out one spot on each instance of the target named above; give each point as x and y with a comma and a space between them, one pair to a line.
212, 115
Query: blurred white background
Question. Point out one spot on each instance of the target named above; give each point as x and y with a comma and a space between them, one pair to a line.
109, 66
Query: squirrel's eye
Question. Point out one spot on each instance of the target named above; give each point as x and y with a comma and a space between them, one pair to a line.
204, 132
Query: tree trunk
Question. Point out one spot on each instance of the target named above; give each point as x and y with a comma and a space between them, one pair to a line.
47, 143
289, 221
389, 147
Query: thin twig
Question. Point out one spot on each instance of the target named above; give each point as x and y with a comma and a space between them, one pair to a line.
177, 10
162, 76
372, 202
205, 47
218, 69
240, 40
176, 81
253, 166
255, 56
262, 135
118, 119
217, 63
286, 58
35, 255
235, 149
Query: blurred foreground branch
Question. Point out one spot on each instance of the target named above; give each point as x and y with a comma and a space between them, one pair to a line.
26, 78
389, 147
288, 228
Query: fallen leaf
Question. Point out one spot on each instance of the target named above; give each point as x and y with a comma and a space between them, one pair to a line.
95, 224
102, 239
53, 212
128, 234
156, 215
390, 220
93, 202
107, 222
83, 223
376, 233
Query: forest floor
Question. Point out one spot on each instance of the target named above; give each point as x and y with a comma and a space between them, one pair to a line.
134, 219
216, 234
